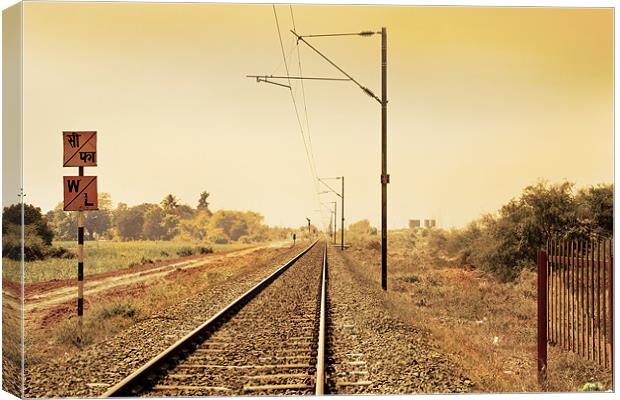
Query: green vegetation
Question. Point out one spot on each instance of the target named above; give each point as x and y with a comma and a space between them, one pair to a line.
168, 220
104, 256
99, 323
38, 235
506, 242
125, 236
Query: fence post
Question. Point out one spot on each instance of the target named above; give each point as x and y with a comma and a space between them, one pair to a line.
610, 308
542, 316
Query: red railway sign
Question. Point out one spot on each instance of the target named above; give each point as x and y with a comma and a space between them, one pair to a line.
80, 193
80, 149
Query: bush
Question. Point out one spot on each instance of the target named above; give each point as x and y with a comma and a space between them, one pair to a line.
410, 278
204, 250
68, 332
38, 235
123, 309
185, 252
61, 252
218, 236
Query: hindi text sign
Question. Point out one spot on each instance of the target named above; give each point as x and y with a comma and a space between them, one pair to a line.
80, 149
80, 193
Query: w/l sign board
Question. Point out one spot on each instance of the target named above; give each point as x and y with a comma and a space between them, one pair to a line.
79, 149
80, 193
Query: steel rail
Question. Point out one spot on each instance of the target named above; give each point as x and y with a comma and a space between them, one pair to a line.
133, 383
320, 358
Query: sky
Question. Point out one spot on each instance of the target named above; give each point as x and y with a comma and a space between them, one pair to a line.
482, 102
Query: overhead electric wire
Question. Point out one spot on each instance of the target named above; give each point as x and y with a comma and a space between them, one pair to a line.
364, 88
307, 145
303, 92
288, 55
312, 168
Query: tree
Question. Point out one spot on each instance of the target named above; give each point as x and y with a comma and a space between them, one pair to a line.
63, 223
362, 228
596, 210
237, 224
32, 217
203, 205
170, 224
38, 235
153, 227
170, 202
182, 211
96, 223
128, 221
99, 222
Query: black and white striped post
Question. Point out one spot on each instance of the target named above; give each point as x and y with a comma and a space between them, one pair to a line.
80, 266
80, 194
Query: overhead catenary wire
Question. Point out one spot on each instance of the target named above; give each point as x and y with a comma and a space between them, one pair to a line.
307, 144
364, 88
303, 92
301, 129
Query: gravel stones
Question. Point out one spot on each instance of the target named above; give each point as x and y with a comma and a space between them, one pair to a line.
398, 358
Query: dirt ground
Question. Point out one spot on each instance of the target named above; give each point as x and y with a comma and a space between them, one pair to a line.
486, 326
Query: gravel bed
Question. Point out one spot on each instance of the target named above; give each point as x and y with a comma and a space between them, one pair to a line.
373, 352
90, 372
268, 347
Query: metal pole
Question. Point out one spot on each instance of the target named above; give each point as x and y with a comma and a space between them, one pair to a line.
610, 306
385, 178
335, 221
80, 269
542, 317
342, 216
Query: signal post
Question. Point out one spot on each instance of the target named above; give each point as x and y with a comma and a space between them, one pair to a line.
80, 194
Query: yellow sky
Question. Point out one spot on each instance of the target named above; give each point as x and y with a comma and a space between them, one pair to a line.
482, 102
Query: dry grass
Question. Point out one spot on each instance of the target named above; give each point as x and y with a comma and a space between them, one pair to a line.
486, 326
104, 256
133, 305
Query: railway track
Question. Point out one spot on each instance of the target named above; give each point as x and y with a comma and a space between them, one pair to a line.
271, 340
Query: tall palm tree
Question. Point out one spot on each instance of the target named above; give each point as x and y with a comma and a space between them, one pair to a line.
203, 204
170, 202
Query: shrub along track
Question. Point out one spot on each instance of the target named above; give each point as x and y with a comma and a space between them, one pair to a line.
265, 342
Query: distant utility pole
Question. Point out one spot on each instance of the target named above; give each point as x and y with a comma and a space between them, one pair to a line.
341, 195
308, 226
335, 220
383, 101
333, 217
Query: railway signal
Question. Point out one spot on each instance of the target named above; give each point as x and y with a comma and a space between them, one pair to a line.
80, 194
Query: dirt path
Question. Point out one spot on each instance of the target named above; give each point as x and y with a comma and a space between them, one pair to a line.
41, 298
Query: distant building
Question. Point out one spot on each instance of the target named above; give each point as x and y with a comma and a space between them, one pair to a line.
429, 223
414, 223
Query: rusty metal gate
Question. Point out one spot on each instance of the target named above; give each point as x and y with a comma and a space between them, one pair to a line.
575, 300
